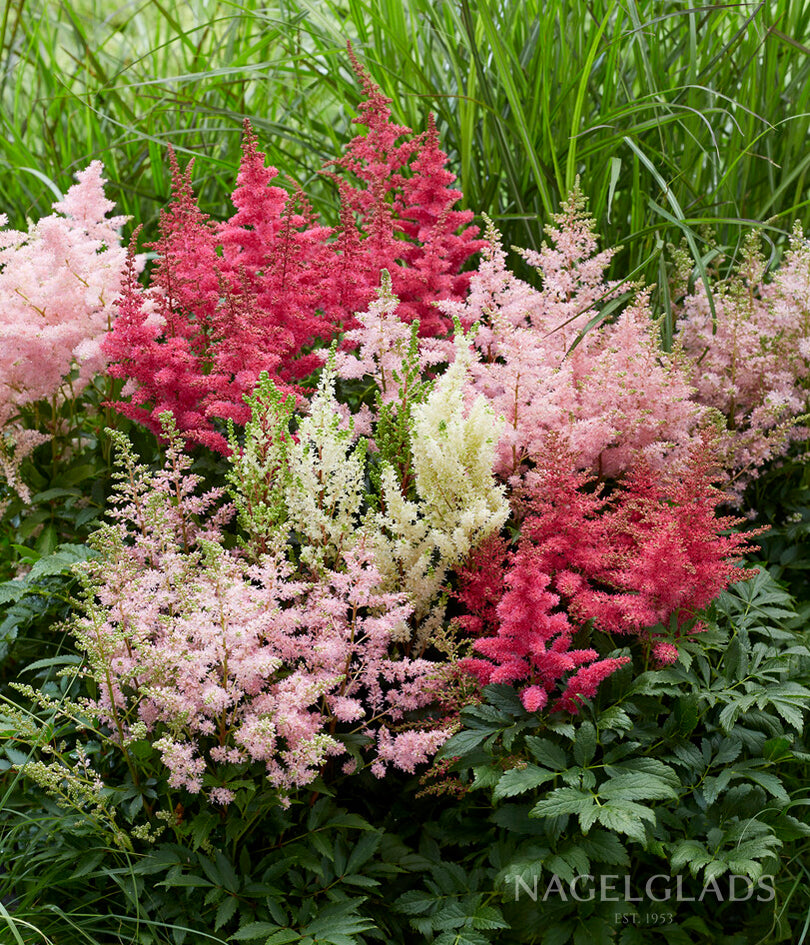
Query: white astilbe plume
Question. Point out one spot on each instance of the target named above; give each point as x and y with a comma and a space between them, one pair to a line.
326, 475
459, 502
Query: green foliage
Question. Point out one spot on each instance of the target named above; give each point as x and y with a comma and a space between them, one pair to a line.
394, 426
781, 500
530, 95
673, 118
258, 475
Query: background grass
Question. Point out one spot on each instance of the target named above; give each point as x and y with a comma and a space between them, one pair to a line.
676, 116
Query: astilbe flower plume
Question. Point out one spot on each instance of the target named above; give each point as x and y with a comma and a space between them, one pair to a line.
751, 357
643, 561
397, 214
256, 292
220, 660
430, 504
58, 285
547, 366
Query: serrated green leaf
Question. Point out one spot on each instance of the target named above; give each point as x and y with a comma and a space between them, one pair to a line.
615, 719
547, 753
67, 660
600, 846
519, 780
462, 937
771, 783
225, 912
463, 743
585, 744
626, 817
254, 930
714, 869
564, 800
712, 787
689, 853
595, 931
636, 786
729, 750
415, 902
559, 933
488, 917
777, 749
504, 698
690, 757
283, 937
587, 818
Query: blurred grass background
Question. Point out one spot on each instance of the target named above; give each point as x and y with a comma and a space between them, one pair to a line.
676, 116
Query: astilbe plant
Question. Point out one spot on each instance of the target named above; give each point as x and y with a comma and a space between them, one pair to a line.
256, 292
433, 498
547, 364
751, 356
59, 281
221, 661
644, 561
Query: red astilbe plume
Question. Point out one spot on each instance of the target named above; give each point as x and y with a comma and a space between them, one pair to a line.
644, 561
256, 292
481, 586
194, 342
162, 339
396, 214
533, 638
668, 558
647, 559
441, 239
273, 250
161, 355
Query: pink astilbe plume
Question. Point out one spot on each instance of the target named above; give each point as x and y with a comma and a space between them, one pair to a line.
632, 400
217, 660
58, 286
381, 346
751, 360
612, 391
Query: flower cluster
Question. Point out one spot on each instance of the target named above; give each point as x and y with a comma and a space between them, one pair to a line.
643, 561
254, 293
58, 285
223, 661
488, 482
750, 357
59, 281
610, 390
